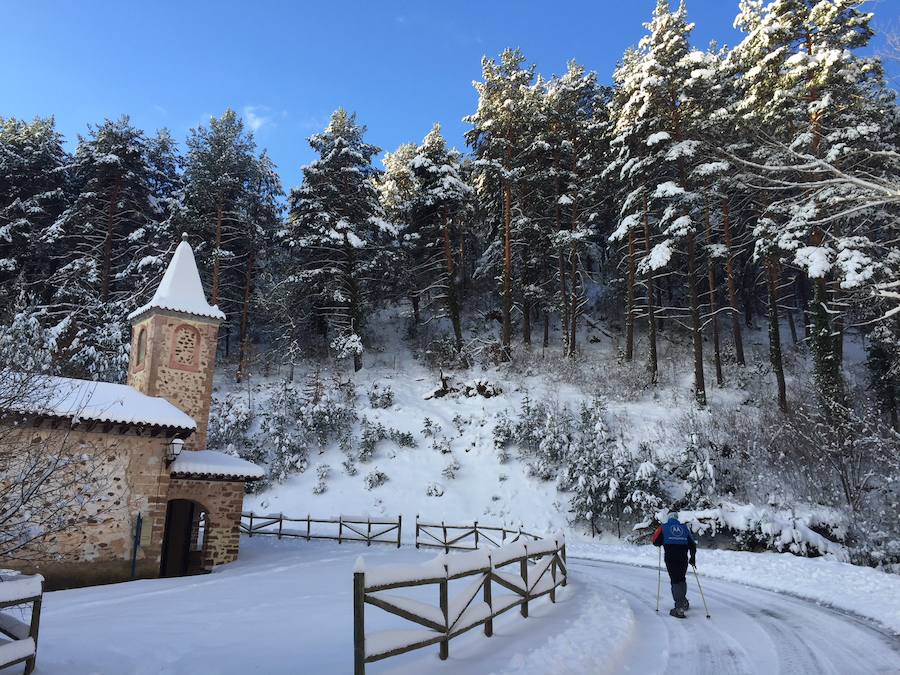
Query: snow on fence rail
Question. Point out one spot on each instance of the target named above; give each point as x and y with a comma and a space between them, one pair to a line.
466, 537
337, 528
541, 570
20, 639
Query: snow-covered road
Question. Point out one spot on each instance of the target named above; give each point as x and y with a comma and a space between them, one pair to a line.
751, 631
286, 607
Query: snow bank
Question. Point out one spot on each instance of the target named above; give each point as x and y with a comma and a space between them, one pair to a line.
780, 529
861, 590
592, 642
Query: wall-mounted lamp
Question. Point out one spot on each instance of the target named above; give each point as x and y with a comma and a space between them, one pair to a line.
173, 449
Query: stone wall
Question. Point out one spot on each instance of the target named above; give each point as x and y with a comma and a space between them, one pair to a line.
127, 474
222, 501
178, 365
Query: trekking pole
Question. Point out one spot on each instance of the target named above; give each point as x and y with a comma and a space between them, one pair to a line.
658, 578
697, 577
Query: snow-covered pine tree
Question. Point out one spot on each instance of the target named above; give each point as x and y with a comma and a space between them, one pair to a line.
397, 189
438, 203
496, 139
812, 95
104, 236
670, 119
338, 231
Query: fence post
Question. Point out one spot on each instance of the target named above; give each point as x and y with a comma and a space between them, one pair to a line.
399, 528
417, 530
489, 624
563, 552
476, 534
446, 545
250, 530
553, 575
340, 528
523, 571
445, 608
280, 523
368, 530
307, 526
359, 625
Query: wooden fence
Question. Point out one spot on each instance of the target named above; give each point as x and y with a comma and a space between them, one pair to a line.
466, 537
337, 528
21, 646
540, 570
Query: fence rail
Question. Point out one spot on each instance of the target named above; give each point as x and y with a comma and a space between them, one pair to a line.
541, 570
337, 528
467, 536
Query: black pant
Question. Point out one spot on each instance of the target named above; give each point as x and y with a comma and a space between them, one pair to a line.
676, 557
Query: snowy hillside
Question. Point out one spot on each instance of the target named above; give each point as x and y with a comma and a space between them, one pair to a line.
398, 447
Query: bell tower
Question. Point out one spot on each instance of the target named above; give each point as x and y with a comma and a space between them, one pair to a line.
173, 342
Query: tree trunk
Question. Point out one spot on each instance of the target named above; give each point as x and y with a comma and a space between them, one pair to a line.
573, 304
732, 287
214, 291
717, 356
563, 292
452, 299
505, 352
415, 300
803, 303
106, 263
546, 329
696, 328
772, 275
629, 302
244, 338
652, 365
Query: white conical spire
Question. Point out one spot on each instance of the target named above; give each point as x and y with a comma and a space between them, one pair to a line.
180, 289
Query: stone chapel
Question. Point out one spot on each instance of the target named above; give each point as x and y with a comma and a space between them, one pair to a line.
171, 506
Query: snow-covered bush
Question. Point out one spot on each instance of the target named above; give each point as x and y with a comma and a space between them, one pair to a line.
322, 472
374, 479
381, 397
441, 445
229, 421
449, 472
597, 469
434, 490
441, 354
404, 439
350, 467
430, 428
375, 432
797, 529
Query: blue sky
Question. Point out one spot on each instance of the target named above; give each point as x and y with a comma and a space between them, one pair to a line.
286, 65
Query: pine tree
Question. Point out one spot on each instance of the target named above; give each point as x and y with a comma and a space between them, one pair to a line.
439, 201
496, 138
33, 194
105, 236
337, 228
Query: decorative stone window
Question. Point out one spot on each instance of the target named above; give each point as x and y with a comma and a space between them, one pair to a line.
141, 348
186, 348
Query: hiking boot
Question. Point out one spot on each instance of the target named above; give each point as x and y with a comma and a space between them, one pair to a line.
677, 612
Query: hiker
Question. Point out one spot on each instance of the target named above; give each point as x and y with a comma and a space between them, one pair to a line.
680, 549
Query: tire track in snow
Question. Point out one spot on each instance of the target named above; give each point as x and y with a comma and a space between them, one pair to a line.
752, 630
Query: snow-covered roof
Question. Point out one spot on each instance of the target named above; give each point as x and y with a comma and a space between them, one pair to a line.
95, 401
180, 289
215, 464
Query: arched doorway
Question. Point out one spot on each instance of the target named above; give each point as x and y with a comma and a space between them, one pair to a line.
184, 538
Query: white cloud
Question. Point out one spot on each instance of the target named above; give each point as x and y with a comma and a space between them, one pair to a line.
257, 116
